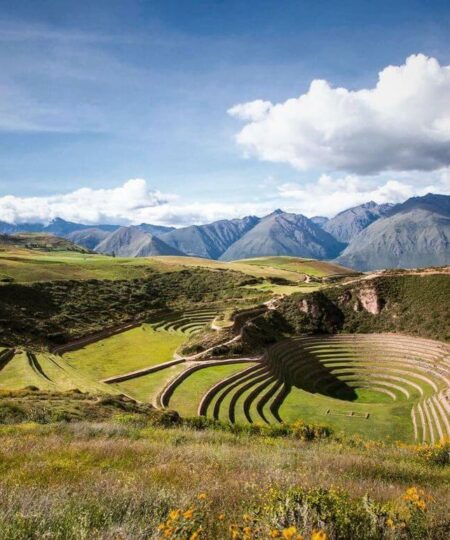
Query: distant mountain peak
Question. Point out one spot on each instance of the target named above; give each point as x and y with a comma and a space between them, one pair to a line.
413, 234
284, 234
348, 223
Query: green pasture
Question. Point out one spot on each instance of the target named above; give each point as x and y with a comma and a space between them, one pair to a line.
386, 420
47, 372
28, 266
128, 351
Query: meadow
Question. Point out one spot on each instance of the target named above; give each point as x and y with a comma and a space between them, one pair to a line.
125, 479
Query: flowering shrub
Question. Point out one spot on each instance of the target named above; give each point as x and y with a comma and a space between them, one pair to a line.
186, 523
436, 453
305, 514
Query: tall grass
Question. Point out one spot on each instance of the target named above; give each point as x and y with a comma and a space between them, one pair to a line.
118, 480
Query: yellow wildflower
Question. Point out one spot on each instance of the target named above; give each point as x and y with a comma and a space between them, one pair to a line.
247, 530
411, 494
288, 533
390, 523
319, 535
174, 514
421, 505
247, 517
221, 517
188, 514
194, 536
274, 533
202, 497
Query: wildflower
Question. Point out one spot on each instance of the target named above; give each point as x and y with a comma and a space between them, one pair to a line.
221, 517
421, 505
274, 533
411, 494
188, 514
319, 535
288, 533
247, 517
202, 497
247, 530
174, 514
390, 523
195, 536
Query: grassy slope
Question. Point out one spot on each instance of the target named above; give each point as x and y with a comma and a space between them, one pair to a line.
30, 265
83, 481
24, 265
128, 351
296, 265
57, 375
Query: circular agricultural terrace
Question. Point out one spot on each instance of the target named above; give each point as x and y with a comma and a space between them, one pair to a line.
382, 385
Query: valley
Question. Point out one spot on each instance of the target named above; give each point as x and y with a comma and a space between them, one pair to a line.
298, 355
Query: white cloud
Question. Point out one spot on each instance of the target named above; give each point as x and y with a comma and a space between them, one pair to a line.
134, 202
330, 195
403, 123
253, 111
122, 204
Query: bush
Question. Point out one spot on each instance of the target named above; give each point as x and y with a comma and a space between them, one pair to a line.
309, 432
11, 413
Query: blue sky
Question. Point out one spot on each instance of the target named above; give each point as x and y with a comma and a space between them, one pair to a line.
93, 94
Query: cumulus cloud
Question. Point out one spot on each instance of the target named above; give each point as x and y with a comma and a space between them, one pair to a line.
253, 111
401, 124
125, 203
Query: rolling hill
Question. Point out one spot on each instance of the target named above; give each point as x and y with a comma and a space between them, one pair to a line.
39, 242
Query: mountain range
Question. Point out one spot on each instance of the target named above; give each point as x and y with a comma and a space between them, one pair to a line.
370, 236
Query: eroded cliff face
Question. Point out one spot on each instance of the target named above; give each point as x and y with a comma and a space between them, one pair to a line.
369, 300
364, 299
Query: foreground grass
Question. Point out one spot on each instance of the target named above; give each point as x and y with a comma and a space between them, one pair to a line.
122, 479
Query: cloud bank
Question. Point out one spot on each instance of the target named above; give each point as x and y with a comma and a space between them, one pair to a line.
85, 205
135, 202
401, 124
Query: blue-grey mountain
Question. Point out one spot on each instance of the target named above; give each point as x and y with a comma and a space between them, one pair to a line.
412, 235
281, 233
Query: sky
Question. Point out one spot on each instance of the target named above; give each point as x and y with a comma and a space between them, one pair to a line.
187, 111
